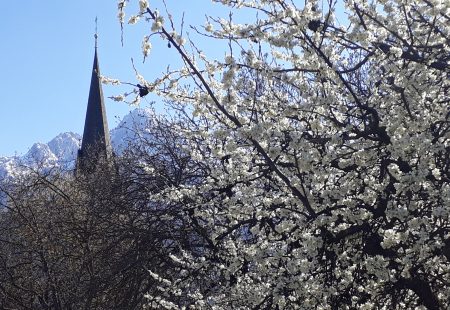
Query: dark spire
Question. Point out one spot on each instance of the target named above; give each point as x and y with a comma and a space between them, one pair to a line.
96, 144
96, 34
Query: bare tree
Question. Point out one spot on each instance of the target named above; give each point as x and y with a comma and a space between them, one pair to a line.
88, 241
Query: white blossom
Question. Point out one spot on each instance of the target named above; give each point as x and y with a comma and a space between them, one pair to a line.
143, 5
146, 46
118, 98
133, 19
323, 147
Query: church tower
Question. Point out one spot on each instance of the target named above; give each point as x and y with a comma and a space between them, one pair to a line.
96, 143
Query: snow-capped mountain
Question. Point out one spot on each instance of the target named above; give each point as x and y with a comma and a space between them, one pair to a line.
62, 150
65, 145
8, 165
131, 128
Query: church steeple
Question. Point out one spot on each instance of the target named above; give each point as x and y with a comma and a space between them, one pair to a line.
96, 144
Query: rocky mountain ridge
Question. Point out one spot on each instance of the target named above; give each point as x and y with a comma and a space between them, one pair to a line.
62, 150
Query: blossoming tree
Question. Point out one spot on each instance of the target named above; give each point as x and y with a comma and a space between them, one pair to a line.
325, 134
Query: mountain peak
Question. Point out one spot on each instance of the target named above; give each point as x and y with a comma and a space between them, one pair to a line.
62, 150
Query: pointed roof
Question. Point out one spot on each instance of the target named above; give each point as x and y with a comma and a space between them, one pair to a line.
96, 142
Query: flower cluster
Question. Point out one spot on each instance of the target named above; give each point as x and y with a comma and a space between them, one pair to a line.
325, 152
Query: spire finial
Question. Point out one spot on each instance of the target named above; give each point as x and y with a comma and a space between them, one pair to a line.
96, 33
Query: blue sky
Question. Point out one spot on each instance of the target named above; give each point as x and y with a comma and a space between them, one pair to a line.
47, 49
46, 61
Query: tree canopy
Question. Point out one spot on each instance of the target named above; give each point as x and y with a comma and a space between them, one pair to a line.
324, 134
